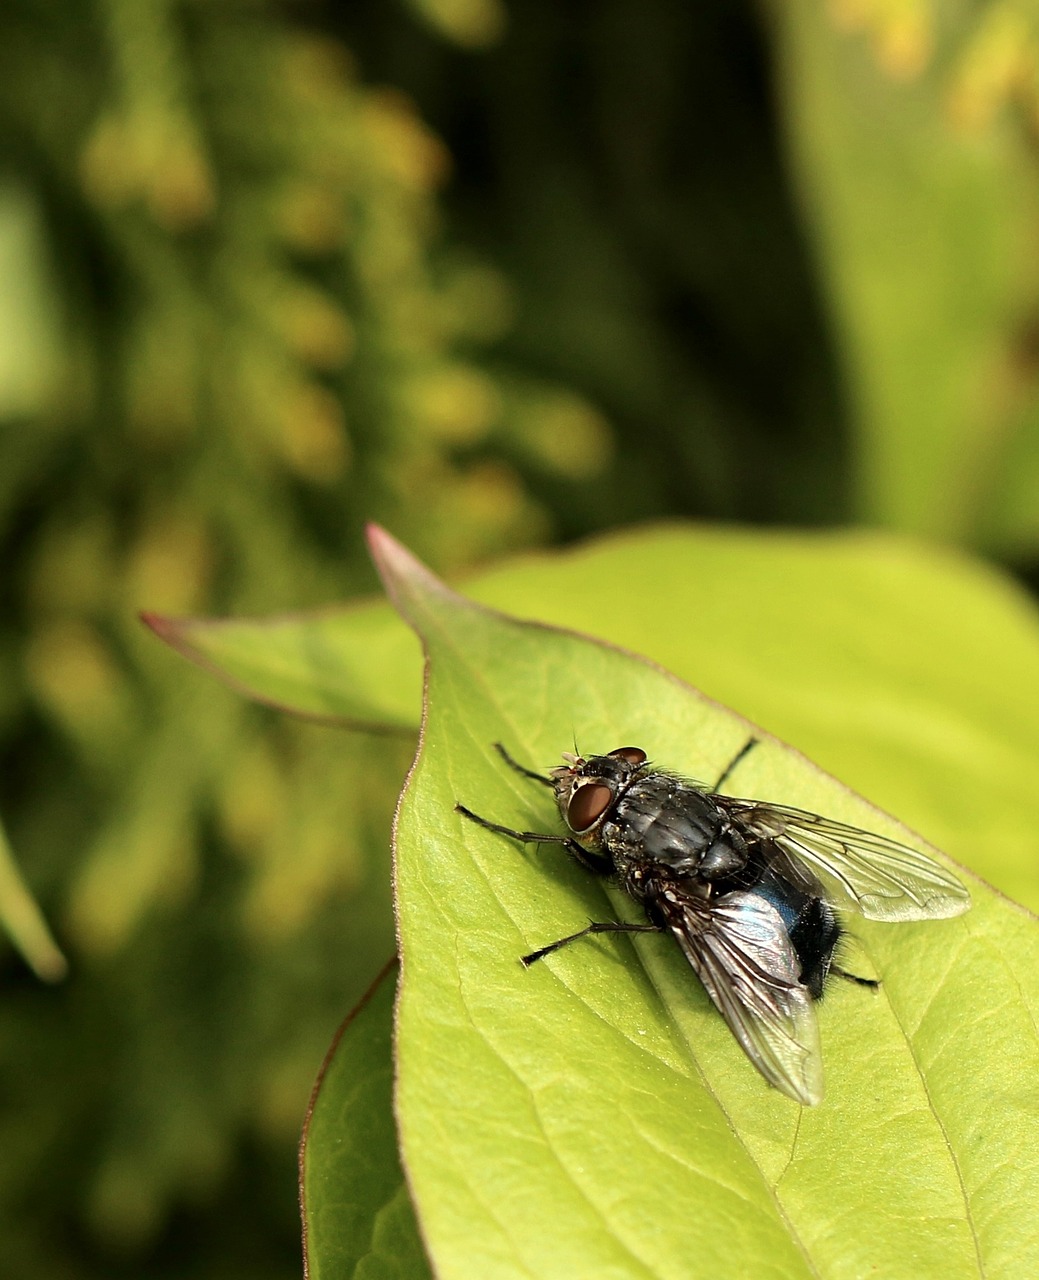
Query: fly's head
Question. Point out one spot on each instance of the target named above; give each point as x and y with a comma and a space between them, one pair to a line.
588, 789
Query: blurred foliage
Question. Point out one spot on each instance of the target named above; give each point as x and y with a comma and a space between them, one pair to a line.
914, 129
549, 277
623, 162
230, 333
21, 918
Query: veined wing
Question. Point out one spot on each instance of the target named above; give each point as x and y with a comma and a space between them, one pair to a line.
871, 874
741, 952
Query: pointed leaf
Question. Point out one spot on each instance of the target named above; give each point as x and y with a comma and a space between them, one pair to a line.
350, 666
593, 1115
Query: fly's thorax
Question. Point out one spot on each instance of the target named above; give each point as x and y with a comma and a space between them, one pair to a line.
675, 825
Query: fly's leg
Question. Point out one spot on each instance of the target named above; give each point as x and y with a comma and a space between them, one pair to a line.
525, 837
607, 926
854, 977
727, 771
590, 861
519, 768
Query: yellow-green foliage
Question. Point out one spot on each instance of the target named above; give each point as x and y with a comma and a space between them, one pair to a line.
915, 152
231, 335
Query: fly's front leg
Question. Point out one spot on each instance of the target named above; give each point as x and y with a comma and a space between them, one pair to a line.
594, 862
525, 837
590, 861
519, 768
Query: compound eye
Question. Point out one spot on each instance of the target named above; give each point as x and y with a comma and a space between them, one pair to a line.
631, 755
587, 805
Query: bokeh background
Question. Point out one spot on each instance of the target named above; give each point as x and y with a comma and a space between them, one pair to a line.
497, 274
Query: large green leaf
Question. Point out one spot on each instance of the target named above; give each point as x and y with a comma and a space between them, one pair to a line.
593, 1116
357, 1215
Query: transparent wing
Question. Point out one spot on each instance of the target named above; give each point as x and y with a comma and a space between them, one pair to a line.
742, 954
877, 877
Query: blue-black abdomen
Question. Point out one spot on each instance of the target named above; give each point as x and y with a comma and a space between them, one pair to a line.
809, 921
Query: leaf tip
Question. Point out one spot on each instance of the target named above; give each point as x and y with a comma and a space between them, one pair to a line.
173, 631
50, 965
406, 579
392, 558
156, 622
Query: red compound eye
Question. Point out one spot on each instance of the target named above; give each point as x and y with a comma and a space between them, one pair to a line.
633, 755
587, 805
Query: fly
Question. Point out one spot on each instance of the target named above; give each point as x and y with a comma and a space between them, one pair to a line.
748, 889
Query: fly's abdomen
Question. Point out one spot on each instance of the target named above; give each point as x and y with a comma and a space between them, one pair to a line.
810, 924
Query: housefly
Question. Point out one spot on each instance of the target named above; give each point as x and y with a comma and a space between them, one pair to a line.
748, 889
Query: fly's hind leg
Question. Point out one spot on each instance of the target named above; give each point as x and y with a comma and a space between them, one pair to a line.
854, 977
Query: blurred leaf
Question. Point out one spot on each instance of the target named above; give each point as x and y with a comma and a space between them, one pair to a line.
357, 1214
28, 320
24, 921
594, 1114
924, 236
474, 24
300, 663
1010, 521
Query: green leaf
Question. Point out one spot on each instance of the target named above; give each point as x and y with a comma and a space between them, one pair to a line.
357, 1214
909, 671
349, 666
593, 1115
